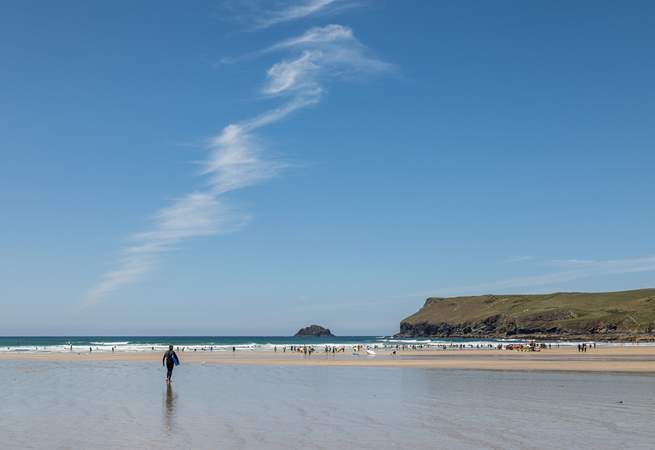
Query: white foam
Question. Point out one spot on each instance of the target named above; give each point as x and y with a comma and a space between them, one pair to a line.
389, 343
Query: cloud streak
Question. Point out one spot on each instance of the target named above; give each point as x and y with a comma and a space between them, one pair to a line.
268, 13
569, 270
611, 266
196, 214
236, 159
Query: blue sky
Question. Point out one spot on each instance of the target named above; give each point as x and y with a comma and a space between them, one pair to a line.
251, 167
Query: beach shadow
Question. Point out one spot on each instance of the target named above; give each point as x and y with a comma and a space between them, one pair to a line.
169, 408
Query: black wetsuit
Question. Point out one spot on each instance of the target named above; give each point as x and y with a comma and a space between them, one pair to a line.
169, 362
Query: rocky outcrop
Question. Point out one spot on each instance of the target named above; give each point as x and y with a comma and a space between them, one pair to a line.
314, 330
626, 315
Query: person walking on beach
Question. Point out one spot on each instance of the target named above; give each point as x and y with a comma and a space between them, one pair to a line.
170, 360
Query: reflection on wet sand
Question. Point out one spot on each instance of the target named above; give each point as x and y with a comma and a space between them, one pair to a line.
169, 408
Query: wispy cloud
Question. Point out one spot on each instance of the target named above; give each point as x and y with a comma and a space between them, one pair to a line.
569, 270
330, 51
519, 259
317, 36
532, 281
196, 214
236, 158
610, 266
335, 46
266, 13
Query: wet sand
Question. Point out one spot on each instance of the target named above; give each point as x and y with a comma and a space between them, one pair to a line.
124, 404
601, 359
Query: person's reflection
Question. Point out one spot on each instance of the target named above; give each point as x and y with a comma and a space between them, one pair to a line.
169, 408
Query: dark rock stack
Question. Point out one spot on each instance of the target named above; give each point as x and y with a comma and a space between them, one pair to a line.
314, 330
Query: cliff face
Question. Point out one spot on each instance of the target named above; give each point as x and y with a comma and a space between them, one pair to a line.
600, 316
314, 330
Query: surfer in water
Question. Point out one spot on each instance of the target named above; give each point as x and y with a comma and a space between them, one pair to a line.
170, 360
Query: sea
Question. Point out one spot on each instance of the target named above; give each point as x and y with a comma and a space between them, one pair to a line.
199, 343
226, 343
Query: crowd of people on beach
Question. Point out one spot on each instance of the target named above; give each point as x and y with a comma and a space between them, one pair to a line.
530, 346
356, 349
582, 348
307, 350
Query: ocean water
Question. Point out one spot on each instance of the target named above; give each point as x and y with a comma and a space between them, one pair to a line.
146, 343
219, 343
99, 405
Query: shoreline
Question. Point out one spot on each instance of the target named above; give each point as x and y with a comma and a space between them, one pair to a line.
603, 359
553, 338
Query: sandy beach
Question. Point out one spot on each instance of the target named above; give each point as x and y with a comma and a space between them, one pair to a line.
630, 359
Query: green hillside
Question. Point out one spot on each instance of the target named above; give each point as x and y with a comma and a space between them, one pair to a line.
606, 315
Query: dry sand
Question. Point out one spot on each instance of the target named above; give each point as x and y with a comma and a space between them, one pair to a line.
605, 359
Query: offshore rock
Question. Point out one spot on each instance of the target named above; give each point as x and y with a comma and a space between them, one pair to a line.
314, 330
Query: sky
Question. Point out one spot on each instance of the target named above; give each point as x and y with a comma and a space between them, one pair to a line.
250, 167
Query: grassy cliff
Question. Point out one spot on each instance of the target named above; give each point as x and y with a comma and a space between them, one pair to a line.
606, 315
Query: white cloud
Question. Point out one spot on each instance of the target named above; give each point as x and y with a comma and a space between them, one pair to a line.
295, 10
322, 53
267, 13
234, 163
196, 214
570, 270
630, 265
518, 259
193, 215
296, 74
531, 281
236, 159
316, 36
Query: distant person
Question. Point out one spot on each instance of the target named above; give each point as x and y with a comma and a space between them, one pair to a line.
170, 360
